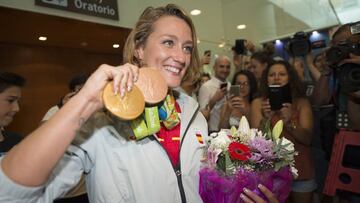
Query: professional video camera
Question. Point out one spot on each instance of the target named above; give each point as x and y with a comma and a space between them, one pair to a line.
348, 73
299, 44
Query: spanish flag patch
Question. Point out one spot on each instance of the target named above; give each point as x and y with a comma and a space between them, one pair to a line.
199, 138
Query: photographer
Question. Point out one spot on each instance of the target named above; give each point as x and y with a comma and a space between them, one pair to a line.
344, 59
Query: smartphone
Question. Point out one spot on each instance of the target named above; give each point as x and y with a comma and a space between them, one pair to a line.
278, 95
240, 46
222, 85
234, 90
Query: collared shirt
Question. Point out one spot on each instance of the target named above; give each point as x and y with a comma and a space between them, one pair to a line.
206, 92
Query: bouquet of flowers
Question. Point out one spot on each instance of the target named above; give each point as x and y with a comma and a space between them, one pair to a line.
245, 157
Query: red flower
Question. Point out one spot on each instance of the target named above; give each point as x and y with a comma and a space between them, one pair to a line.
239, 151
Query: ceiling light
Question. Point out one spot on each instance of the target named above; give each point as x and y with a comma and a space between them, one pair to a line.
221, 45
116, 46
240, 27
315, 33
198, 41
278, 41
83, 44
195, 12
42, 38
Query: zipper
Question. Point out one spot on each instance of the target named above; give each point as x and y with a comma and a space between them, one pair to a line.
177, 168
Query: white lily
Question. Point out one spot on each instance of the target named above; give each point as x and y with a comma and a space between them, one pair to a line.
276, 131
221, 141
244, 126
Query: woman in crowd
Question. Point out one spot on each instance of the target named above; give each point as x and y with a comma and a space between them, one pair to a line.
258, 63
237, 106
117, 168
10, 94
298, 121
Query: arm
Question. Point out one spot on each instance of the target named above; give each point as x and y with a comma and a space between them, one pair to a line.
303, 131
208, 100
255, 113
321, 90
260, 109
31, 162
315, 73
225, 115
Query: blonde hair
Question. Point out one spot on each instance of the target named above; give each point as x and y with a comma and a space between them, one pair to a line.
144, 27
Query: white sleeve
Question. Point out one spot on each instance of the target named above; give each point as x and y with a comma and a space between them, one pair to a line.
204, 97
50, 113
65, 176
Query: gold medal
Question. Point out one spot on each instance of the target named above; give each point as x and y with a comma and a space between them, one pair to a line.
127, 108
152, 84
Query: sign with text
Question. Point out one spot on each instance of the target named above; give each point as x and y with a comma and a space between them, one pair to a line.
100, 8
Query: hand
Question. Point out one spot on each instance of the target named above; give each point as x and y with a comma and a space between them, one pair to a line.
286, 112
249, 46
237, 102
205, 59
352, 59
219, 94
249, 196
266, 109
123, 77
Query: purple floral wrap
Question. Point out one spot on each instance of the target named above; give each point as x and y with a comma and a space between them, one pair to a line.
216, 188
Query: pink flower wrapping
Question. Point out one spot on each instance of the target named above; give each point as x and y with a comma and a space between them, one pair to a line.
244, 158
217, 188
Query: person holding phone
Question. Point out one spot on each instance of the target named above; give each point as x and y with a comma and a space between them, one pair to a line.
212, 93
298, 120
240, 95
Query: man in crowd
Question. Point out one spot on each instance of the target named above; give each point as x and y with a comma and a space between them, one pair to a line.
212, 93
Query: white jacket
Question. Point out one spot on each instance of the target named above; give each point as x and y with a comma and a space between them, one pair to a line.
119, 170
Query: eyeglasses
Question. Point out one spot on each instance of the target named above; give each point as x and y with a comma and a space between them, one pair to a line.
243, 84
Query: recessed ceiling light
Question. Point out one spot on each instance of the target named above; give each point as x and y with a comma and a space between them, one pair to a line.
240, 27
195, 12
221, 45
315, 33
198, 41
83, 44
278, 41
42, 38
116, 46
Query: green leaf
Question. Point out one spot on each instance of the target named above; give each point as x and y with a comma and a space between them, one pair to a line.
220, 163
266, 128
229, 164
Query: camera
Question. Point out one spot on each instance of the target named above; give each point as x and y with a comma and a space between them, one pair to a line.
299, 44
348, 73
340, 52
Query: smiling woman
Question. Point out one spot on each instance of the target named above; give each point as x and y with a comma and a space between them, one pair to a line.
10, 93
165, 164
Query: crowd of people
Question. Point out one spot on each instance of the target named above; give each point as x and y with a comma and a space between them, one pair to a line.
47, 164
